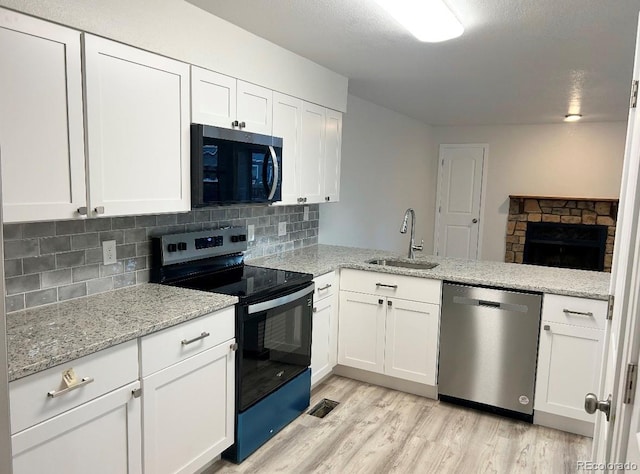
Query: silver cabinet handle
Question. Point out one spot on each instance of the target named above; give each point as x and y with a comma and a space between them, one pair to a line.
186, 342
59, 393
547, 327
380, 301
99, 210
588, 314
234, 346
328, 198
304, 200
395, 287
235, 123
389, 303
474, 221
325, 287
243, 125
315, 310
82, 210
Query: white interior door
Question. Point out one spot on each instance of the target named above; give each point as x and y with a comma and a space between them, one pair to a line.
460, 178
611, 438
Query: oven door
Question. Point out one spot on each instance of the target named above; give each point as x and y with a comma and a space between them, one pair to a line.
275, 344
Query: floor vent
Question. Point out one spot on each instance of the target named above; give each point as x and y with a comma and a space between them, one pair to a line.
323, 408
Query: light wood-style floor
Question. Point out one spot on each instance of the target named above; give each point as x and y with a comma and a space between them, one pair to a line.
377, 430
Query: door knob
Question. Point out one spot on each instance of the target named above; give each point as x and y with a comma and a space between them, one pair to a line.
591, 404
475, 221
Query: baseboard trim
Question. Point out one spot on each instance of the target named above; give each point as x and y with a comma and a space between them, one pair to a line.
387, 381
563, 423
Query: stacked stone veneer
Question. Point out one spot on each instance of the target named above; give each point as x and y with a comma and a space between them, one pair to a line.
523, 210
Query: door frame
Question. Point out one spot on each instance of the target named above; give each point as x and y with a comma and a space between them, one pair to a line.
483, 187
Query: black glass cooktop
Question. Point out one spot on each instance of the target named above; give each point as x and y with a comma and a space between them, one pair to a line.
247, 282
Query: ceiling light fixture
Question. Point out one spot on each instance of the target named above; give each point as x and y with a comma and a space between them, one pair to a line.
572, 117
428, 20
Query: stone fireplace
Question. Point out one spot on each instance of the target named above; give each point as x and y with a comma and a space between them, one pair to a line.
564, 232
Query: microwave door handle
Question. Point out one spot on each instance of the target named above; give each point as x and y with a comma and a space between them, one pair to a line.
276, 172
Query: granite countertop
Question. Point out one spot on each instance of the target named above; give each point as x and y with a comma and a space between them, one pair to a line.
46, 336
321, 259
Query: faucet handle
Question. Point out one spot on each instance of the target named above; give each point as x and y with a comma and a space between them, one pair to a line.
420, 247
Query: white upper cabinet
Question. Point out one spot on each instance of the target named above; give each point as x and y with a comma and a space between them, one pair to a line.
332, 156
213, 98
312, 153
41, 120
287, 124
255, 108
224, 101
312, 149
137, 125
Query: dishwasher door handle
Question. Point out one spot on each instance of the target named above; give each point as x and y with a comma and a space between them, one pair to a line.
520, 308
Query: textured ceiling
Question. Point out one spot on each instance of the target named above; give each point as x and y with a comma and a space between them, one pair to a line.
519, 61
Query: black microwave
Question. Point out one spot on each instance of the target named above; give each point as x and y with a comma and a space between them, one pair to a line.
232, 166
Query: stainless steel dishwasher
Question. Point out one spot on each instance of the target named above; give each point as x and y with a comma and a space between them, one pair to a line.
488, 348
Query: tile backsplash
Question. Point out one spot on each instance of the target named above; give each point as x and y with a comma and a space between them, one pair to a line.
52, 261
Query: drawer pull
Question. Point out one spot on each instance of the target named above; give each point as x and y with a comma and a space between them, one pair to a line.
186, 342
59, 393
395, 287
325, 287
588, 314
547, 327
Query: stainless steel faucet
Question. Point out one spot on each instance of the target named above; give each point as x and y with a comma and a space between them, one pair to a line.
403, 230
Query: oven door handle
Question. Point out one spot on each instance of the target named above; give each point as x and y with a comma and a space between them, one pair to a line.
266, 305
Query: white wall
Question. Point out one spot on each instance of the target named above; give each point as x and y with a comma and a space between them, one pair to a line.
574, 160
388, 165
183, 31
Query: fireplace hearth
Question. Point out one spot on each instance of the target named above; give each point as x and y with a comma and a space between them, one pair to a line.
561, 232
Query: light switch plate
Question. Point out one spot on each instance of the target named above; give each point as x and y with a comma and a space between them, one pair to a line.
282, 229
251, 232
305, 214
109, 252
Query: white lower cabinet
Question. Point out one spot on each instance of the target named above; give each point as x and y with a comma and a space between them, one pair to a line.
569, 358
100, 436
325, 328
188, 411
411, 345
188, 390
386, 334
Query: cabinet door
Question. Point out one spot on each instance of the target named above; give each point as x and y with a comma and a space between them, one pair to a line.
137, 130
41, 120
321, 340
332, 156
568, 368
101, 436
411, 348
188, 412
312, 147
361, 331
213, 98
287, 118
255, 108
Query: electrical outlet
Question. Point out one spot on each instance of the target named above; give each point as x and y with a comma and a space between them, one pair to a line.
109, 252
305, 215
251, 232
282, 229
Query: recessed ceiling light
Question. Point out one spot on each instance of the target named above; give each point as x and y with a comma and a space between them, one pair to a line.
428, 20
572, 117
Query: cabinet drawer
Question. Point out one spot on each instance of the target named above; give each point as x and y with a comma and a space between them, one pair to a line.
385, 284
325, 286
165, 348
575, 311
109, 369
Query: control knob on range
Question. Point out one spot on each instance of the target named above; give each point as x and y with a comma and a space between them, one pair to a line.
234, 238
182, 246
172, 247
243, 237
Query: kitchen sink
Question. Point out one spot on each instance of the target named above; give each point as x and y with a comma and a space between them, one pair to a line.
403, 264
